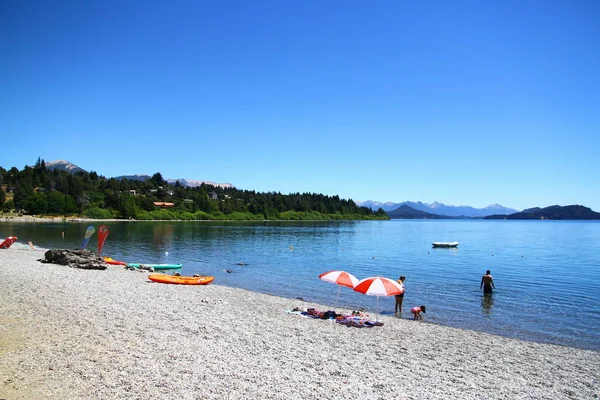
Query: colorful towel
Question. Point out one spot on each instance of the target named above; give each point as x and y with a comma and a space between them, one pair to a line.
353, 320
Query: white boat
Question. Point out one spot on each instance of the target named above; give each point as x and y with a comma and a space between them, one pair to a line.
445, 244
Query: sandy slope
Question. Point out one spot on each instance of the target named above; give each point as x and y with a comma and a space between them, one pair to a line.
76, 334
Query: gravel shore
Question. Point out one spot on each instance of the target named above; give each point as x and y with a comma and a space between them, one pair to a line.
68, 333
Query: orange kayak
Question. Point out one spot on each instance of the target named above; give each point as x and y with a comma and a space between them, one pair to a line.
182, 280
109, 260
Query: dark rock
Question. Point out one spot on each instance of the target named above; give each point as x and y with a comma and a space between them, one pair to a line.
84, 259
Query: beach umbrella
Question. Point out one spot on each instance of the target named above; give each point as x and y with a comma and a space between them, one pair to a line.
340, 278
378, 286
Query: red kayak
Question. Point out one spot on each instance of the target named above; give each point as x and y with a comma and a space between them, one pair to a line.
6, 243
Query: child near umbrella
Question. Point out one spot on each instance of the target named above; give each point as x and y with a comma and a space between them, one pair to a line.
417, 312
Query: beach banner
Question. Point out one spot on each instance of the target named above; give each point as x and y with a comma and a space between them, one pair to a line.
102, 234
88, 234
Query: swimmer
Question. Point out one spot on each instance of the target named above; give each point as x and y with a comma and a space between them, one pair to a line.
487, 283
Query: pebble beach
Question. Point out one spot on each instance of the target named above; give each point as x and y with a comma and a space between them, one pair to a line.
68, 333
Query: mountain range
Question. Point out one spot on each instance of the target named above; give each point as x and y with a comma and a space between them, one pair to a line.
440, 209
63, 165
407, 209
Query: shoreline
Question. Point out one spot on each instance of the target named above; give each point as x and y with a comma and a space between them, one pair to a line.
74, 334
31, 218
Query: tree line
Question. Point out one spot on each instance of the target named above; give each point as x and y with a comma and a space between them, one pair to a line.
38, 190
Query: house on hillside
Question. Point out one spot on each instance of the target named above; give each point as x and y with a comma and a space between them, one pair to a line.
163, 204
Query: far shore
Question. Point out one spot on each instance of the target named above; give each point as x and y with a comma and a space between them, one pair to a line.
35, 218
42, 219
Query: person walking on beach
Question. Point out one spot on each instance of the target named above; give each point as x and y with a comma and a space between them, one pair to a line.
487, 283
400, 297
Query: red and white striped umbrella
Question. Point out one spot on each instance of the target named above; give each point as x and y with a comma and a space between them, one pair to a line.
341, 278
378, 286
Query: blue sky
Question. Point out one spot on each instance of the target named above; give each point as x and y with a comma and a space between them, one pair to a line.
461, 102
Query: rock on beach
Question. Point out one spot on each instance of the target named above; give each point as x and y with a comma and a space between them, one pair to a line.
70, 333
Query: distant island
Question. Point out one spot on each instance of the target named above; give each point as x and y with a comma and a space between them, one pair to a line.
574, 212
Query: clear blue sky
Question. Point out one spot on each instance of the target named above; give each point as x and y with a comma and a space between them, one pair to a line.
461, 102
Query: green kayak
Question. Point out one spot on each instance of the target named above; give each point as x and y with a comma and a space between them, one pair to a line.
155, 266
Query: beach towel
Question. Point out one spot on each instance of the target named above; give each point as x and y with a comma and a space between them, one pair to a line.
353, 320
296, 312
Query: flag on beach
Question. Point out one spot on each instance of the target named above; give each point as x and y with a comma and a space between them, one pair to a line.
102, 234
88, 234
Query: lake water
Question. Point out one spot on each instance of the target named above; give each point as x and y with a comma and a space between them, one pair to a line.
546, 272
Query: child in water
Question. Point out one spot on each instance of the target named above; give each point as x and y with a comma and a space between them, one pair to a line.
417, 312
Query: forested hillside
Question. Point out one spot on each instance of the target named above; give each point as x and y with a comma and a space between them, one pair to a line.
38, 191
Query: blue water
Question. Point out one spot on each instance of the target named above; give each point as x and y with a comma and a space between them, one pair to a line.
546, 272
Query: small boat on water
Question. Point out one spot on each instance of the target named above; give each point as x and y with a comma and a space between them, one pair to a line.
181, 280
444, 245
154, 266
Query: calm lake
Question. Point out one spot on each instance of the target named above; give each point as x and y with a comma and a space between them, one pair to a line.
546, 272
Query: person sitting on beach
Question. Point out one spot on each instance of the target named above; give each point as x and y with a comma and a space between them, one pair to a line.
417, 312
487, 283
400, 297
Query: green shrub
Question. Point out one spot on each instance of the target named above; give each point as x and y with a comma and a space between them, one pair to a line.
202, 216
186, 216
97, 213
243, 216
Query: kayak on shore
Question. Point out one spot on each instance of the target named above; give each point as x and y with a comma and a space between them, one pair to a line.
110, 261
6, 243
154, 266
181, 280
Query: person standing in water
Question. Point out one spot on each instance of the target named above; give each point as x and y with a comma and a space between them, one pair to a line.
400, 297
487, 283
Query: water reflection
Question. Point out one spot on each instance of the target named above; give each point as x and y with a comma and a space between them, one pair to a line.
487, 303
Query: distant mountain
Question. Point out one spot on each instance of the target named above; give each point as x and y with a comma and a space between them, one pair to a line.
575, 212
441, 209
407, 212
63, 165
375, 205
183, 182
194, 183
142, 178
